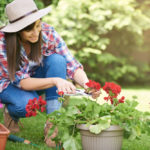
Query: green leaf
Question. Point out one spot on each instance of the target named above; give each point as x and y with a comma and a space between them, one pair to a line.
72, 110
135, 133
103, 124
95, 129
71, 144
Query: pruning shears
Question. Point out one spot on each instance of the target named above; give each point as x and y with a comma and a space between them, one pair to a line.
79, 92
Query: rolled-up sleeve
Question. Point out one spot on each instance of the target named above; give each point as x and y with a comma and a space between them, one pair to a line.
61, 48
19, 76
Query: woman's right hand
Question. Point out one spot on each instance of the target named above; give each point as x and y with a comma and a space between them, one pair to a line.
64, 85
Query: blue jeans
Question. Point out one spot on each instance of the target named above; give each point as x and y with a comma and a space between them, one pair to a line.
16, 99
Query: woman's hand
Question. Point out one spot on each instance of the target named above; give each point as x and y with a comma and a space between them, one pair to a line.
95, 93
65, 86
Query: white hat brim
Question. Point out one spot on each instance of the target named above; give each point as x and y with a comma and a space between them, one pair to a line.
24, 22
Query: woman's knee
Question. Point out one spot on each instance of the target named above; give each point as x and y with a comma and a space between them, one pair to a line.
17, 111
55, 60
55, 66
17, 99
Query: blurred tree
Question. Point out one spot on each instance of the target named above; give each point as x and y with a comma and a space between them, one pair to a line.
3, 19
103, 35
144, 5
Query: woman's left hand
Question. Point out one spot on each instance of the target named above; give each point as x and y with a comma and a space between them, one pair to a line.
95, 93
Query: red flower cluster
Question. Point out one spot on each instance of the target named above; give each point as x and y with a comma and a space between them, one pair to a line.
121, 100
34, 105
109, 98
113, 90
42, 104
61, 93
93, 85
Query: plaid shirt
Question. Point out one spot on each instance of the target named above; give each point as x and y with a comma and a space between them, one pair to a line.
52, 43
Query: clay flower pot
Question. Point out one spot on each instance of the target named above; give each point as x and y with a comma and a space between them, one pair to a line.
4, 133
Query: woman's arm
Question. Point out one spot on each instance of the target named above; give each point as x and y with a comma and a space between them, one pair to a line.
37, 83
44, 83
80, 77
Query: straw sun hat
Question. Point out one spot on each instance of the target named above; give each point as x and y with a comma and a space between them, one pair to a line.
22, 13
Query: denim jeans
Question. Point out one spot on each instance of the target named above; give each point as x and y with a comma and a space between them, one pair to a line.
16, 99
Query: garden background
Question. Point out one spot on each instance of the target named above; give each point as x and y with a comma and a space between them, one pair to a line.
111, 39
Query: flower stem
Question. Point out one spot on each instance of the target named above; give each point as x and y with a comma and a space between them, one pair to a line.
39, 113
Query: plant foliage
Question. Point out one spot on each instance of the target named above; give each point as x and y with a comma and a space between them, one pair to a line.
86, 111
98, 117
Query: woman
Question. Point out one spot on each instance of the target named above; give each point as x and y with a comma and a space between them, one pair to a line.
33, 57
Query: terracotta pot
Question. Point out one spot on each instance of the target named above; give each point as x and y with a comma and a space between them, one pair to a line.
4, 133
109, 139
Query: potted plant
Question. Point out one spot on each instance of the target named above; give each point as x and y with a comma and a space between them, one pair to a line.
101, 122
85, 120
4, 133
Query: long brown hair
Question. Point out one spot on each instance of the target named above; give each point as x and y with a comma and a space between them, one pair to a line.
13, 48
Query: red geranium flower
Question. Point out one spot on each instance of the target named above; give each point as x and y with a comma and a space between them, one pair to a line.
93, 85
114, 88
121, 100
41, 103
34, 105
61, 93
31, 107
106, 98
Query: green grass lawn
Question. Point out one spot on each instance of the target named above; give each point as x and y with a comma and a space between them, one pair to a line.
143, 97
33, 127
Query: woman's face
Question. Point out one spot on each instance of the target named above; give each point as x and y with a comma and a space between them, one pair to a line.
32, 35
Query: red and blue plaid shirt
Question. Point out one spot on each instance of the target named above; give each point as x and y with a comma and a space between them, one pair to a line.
52, 43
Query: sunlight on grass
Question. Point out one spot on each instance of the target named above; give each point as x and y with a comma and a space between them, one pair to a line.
143, 97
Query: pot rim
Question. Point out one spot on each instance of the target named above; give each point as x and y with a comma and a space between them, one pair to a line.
5, 130
111, 128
